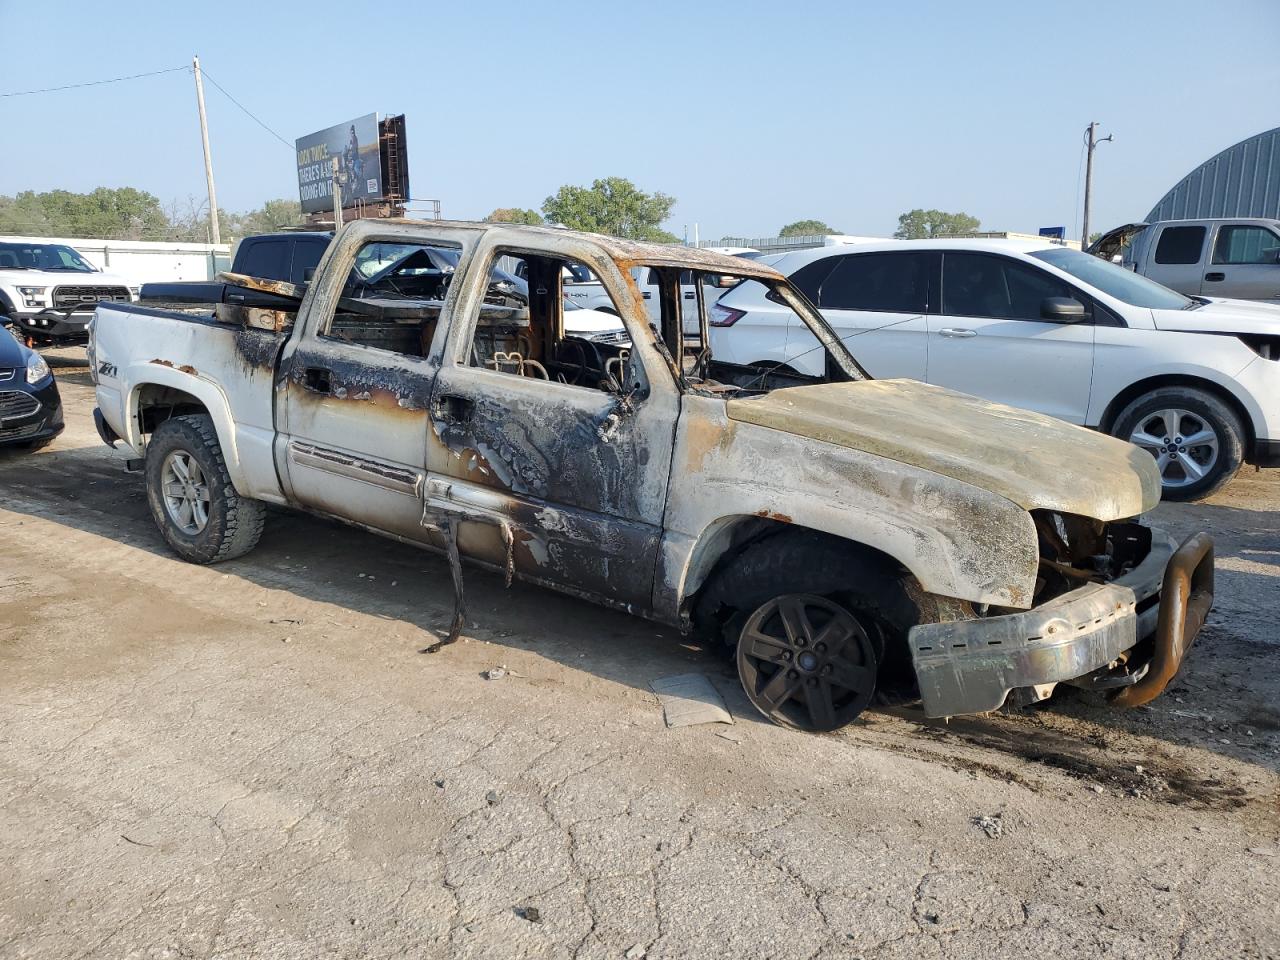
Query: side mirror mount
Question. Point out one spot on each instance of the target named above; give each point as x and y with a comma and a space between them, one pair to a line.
1061, 310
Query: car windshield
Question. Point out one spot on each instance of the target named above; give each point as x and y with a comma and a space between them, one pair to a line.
1114, 281
42, 256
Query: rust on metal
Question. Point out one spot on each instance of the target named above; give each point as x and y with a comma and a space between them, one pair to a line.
1185, 600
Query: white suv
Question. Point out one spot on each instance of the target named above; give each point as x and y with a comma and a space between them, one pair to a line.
1193, 380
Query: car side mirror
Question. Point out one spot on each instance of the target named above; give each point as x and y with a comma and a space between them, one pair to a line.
1061, 310
725, 282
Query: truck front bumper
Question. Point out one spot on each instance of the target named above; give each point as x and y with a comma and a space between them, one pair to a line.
1129, 635
60, 326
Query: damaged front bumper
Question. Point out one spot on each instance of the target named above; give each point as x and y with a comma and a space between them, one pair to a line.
1088, 635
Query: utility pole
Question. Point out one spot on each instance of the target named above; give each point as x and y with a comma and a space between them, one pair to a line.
337, 195
208, 159
1088, 179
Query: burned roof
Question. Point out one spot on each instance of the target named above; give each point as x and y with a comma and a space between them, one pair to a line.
626, 252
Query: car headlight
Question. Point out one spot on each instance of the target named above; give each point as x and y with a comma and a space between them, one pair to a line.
37, 369
34, 296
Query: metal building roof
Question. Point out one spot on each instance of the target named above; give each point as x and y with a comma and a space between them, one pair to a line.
1241, 181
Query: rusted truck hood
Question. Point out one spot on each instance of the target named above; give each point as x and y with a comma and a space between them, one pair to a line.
1033, 460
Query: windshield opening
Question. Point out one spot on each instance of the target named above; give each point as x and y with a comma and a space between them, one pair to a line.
1124, 285
53, 257
698, 332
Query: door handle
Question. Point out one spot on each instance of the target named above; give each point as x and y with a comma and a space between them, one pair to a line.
958, 333
454, 407
647, 295
1214, 277
691, 296
235, 298
318, 380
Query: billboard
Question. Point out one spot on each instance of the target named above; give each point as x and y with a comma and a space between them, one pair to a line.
355, 144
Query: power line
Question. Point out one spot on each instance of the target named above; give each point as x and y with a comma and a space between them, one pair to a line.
245, 109
93, 83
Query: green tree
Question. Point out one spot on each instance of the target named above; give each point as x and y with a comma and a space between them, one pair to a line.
272, 216
806, 228
615, 206
917, 224
514, 215
108, 213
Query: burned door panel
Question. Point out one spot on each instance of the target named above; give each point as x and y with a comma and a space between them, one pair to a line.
357, 423
578, 472
580, 475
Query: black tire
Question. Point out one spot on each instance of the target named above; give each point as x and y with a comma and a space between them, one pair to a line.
1178, 483
885, 600
234, 523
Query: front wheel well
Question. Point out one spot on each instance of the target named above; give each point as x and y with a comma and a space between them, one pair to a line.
827, 555
157, 403
1136, 390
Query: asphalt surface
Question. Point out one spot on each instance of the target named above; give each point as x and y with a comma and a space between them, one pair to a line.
254, 760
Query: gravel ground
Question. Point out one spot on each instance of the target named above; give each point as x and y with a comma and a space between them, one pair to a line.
255, 760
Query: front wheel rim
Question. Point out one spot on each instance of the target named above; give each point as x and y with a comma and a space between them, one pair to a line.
185, 492
1184, 445
806, 662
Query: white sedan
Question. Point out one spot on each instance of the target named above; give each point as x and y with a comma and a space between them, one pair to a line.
1193, 380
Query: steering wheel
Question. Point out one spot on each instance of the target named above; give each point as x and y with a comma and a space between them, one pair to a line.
579, 369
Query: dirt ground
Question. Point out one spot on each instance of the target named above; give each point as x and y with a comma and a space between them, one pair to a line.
254, 760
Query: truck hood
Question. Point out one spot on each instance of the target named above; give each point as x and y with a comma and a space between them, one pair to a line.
1032, 460
57, 278
1222, 316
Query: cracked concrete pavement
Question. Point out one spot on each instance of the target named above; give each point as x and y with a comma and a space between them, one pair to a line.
252, 760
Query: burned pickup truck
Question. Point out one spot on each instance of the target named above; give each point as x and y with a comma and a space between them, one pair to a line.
839, 535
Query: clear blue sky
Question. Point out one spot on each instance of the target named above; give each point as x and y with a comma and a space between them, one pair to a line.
751, 114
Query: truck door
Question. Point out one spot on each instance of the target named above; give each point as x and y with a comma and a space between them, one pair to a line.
1177, 256
561, 443
1245, 263
352, 432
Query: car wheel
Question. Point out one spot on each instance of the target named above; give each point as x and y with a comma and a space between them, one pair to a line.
757, 606
192, 500
1196, 439
807, 662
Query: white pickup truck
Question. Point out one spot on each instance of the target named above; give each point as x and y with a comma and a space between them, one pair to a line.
48, 291
840, 535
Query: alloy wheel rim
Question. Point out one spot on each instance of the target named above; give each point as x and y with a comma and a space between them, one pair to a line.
806, 662
1185, 447
186, 492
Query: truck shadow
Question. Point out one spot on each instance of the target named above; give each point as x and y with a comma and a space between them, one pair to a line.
1223, 703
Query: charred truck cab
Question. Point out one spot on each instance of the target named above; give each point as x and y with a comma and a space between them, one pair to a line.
838, 535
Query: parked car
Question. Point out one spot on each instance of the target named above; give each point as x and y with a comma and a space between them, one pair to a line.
1238, 257
1194, 381
835, 532
30, 407
48, 291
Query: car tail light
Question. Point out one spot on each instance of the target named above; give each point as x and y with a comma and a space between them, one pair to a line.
722, 316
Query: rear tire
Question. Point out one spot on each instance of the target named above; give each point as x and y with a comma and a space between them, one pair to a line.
1161, 421
200, 516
